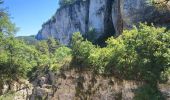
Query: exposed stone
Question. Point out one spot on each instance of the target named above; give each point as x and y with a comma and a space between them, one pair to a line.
106, 17
68, 20
84, 85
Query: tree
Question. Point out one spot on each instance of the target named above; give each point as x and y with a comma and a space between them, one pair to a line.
6, 27
43, 55
66, 2
16, 58
142, 53
81, 48
52, 45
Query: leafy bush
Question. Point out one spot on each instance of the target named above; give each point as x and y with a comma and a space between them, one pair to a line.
144, 52
62, 53
8, 96
99, 58
147, 92
66, 2
81, 48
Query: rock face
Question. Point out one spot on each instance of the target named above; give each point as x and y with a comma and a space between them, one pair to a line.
134, 11
67, 20
73, 84
104, 17
86, 86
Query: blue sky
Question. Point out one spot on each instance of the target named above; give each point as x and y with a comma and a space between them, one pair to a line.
29, 15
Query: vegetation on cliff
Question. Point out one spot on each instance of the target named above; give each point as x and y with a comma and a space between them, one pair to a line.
66, 2
142, 54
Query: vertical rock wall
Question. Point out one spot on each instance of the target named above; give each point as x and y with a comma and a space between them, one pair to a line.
96, 13
65, 22
104, 17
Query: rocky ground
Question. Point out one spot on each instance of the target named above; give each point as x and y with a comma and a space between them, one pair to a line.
77, 85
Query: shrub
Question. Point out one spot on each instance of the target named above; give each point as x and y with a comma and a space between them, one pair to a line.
144, 54
99, 58
62, 55
147, 92
62, 52
66, 2
8, 96
81, 48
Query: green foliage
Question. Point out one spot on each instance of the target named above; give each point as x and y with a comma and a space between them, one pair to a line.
6, 26
8, 96
159, 5
42, 47
142, 53
62, 56
14, 61
99, 58
145, 52
52, 45
30, 40
46, 52
62, 53
66, 2
18, 59
81, 48
147, 92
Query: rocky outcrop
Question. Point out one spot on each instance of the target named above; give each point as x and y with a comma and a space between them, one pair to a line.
73, 84
135, 11
86, 86
67, 20
104, 17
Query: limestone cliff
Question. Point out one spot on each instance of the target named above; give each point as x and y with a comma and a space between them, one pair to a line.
105, 17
